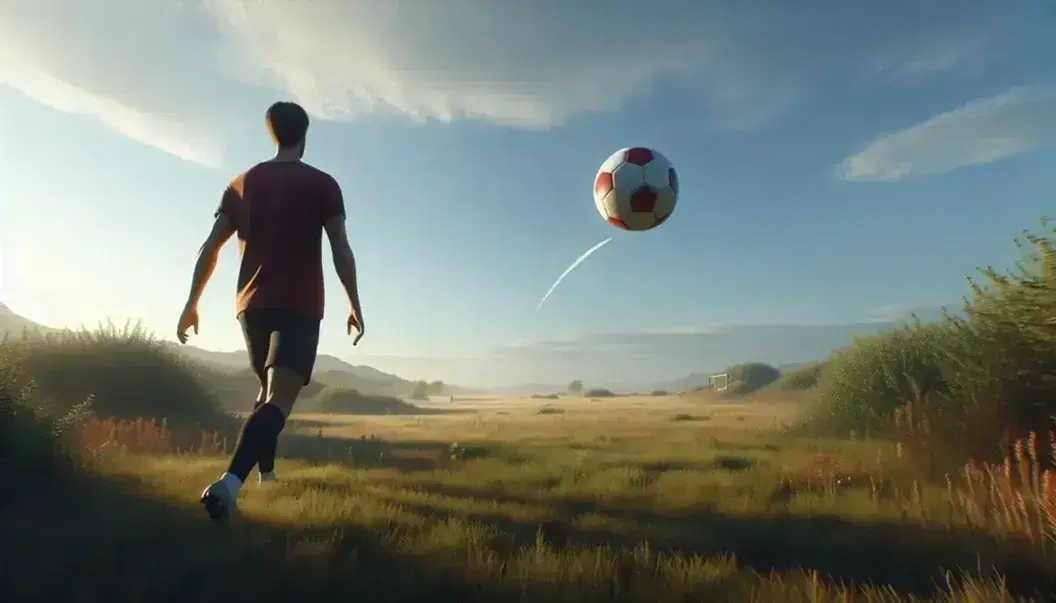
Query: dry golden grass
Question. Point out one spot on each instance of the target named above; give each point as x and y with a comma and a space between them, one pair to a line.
145, 436
626, 499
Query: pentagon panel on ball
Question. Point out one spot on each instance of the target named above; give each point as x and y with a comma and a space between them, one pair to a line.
636, 189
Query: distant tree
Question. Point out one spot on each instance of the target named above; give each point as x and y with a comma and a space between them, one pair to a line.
575, 387
436, 388
421, 391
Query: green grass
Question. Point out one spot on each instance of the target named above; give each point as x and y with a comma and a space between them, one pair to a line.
621, 504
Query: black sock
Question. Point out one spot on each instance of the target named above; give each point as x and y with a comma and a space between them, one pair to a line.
266, 464
258, 435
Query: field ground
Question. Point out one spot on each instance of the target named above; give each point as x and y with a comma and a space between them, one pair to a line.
628, 499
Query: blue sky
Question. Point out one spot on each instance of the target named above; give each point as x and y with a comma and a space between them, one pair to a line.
837, 162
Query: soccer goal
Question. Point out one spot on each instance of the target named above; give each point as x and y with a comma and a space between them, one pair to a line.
719, 382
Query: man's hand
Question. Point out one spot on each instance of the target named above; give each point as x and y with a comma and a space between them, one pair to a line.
188, 320
354, 322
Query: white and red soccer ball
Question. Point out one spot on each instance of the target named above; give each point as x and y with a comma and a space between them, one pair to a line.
636, 189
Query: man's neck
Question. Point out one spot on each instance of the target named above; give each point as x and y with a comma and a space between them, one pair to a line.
286, 156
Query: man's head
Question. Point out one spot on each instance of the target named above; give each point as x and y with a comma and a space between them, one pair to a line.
288, 125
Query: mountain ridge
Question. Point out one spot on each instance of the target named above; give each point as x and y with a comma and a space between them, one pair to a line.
329, 370
517, 370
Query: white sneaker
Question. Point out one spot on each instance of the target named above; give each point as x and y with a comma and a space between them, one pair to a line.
267, 477
219, 500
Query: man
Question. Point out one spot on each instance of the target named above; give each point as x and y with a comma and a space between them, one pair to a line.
279, 209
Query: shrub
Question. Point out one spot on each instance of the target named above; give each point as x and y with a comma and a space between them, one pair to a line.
550, 410
1005, 346
750, 376
862, 384
127, 373
599, 393
350, 401
967, 387
800, 379
31, 445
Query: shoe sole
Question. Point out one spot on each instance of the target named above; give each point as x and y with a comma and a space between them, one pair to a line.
215, 508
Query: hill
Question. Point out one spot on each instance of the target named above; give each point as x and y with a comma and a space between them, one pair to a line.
227, 374
13, 324
329, 370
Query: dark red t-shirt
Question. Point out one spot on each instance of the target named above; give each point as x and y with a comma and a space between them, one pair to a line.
278, 209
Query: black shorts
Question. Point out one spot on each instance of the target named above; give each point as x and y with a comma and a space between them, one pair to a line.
282, 339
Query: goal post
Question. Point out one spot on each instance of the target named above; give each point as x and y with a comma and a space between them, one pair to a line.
719, 382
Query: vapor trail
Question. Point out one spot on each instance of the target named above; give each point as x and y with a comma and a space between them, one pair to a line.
578, 261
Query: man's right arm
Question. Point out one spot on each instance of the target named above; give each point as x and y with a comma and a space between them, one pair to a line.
344, 260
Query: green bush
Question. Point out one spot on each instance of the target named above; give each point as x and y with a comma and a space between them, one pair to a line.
800, 379
749, 377
350, 401
126, 372
599, 392
31, 447
1002, 353
862, 384
975, 380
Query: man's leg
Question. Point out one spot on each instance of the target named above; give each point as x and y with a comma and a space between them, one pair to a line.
257, 327
266, 465
291, 358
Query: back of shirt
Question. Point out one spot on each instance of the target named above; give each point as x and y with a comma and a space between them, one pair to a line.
278, 209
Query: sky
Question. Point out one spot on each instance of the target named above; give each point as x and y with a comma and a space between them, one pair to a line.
838, 161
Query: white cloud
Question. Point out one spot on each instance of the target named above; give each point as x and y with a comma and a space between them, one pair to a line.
141, 67
982, 131
534, 64
176, 74
967, 48
167, 135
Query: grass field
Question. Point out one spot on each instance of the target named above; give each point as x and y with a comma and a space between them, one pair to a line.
627, 499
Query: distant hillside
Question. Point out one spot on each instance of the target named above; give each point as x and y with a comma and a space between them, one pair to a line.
663, 361
328, 371
235, 384
12, 324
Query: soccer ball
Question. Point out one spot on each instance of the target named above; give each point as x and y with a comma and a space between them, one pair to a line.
636, 189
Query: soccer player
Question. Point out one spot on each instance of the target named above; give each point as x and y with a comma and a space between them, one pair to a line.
279, 209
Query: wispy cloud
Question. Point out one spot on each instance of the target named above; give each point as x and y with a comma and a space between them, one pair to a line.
149, 69
968, 49
749, 61
167, 135
982, 131
175, 73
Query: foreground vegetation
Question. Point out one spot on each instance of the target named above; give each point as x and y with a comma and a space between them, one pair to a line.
646, 505
923, 472
967, 388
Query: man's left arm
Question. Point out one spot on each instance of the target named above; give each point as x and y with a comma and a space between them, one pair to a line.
206, 263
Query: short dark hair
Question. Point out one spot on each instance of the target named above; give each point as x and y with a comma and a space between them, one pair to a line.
287, 122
